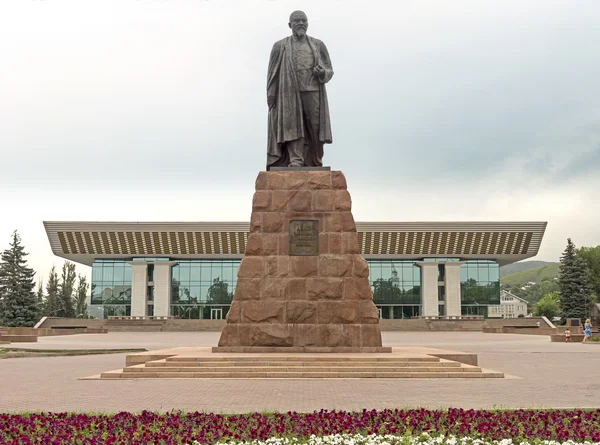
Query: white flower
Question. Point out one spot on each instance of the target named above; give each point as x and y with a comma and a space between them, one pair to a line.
424, 438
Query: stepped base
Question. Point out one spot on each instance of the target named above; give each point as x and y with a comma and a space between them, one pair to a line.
301, 349
203, 363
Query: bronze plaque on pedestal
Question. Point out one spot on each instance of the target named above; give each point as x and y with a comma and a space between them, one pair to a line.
304, 237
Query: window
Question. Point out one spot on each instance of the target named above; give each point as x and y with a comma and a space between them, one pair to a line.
150, 293
395, 282
196, 283
107, 272
441, 272
479, 283
119, 273
111, 286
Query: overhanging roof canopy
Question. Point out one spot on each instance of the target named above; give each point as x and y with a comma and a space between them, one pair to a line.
84, 242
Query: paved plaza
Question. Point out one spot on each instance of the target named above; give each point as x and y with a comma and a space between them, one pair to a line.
556, 375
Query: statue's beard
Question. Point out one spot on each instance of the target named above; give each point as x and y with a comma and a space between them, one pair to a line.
300, 31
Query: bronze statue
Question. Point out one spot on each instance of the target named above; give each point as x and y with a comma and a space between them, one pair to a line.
299, 124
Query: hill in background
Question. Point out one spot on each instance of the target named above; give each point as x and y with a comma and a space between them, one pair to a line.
521, 266
535, 275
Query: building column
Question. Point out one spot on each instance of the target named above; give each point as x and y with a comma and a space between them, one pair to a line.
139, 284
452, 285
429, 288
162, 288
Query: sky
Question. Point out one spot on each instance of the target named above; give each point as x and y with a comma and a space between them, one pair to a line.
155, 110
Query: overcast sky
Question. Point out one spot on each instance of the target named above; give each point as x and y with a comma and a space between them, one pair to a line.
155, 110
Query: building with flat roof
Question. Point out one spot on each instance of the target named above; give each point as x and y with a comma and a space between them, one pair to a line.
189, 269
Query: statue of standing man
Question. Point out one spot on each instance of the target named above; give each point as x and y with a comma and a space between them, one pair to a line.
299, 124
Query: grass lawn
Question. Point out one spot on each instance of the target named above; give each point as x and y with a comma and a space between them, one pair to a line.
20, 353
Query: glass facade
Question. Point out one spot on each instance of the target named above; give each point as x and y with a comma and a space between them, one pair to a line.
199, 286
396, 287
111, 287
479, 286
204, 289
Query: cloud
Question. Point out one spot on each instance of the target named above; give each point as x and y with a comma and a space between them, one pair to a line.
440, 110
177, 91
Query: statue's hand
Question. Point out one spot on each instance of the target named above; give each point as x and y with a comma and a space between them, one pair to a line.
271, 100
319, 71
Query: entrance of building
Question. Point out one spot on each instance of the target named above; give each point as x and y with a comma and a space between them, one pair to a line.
216, 313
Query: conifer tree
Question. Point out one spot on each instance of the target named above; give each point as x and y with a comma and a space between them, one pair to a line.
65, 291
574, 284
40, 295
51, 303
81, 297
18, 302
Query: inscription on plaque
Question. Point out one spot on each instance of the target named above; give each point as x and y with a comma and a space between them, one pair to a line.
304, 237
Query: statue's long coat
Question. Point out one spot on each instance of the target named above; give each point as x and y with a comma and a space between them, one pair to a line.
286, 122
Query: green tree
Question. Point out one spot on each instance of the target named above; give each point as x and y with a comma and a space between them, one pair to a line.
574, 284
535, 292
18, 301
386, 291
65, 291
52, 303
591, 255
218, 292
548, 306
81, 295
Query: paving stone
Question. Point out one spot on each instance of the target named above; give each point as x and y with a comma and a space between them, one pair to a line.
51, 383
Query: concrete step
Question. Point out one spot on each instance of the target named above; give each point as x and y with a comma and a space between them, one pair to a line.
297, 375
250, 358
301, 369
203, 363
231, 363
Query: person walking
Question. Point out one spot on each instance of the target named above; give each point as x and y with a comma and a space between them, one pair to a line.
587, 329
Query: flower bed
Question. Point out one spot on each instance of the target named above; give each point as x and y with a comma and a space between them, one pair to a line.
452, 427
388, 439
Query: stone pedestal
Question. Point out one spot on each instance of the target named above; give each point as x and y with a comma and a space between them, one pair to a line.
311, 294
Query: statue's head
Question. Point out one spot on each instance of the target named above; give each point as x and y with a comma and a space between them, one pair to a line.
298, 23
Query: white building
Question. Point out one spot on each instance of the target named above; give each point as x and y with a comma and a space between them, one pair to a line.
510, 306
